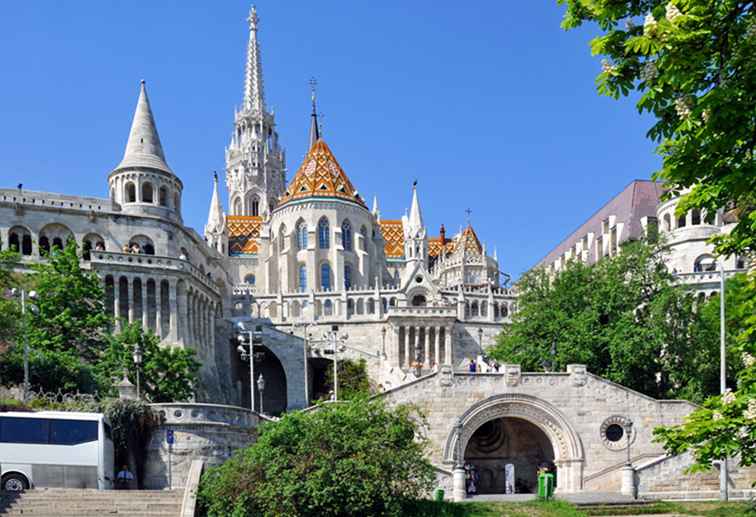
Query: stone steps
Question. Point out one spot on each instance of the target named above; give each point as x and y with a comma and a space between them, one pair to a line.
91, 503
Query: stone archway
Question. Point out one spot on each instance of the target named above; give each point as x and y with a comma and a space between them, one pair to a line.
566, 446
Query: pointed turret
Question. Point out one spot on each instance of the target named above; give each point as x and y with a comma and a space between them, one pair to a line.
143, 148
314, 135
415, 242
376, 211
415, 220
216, 220
254, 98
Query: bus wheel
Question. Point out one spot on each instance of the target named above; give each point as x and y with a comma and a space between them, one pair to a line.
14, 483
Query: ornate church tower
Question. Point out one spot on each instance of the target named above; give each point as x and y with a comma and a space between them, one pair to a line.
415, 233
255, 163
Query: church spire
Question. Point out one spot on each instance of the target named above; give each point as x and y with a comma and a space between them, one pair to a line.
254, 99
415, 216
216, 220
314, 129
143, 148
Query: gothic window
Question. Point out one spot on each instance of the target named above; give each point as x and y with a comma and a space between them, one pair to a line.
704, 263
19, 240
44, 246
681, 221
328, 308
163, 196
249, 279
346, 235
254, 206
347, 276
695, 217
147, 192
324, 234
130, 193
302, 278
325, 277
301, 235
709, 217
667, 223
237, 206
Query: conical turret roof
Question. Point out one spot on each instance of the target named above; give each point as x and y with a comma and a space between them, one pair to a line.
320, 175
469, 241
143, 148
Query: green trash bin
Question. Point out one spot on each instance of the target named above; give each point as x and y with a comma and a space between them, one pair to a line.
541, 492
549, 483
438, 495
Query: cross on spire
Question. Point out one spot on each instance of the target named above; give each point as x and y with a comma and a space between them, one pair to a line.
468, 212
315, 128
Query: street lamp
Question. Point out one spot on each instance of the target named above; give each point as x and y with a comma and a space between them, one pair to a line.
253, 337
480, 339
138, 356
32, 295
261, 388
723, 489
628, 425
307, 337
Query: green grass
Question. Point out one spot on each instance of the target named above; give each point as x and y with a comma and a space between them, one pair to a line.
564, 509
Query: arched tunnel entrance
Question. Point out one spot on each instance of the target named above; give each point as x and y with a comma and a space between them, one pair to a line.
274, 400
504, 455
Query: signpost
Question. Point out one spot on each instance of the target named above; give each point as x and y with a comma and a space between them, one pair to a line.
170, 438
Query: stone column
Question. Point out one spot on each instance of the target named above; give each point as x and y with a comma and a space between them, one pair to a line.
159, 307
448, 339
189, 336
459, 492
628, 481
130, 290
437, 347
173, 314
145, 305
426, 356
117, 301
394, 352
212, 327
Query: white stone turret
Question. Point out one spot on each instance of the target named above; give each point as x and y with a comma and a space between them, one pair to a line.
143, 183
376, 211
215, 229
415, 233
255, 163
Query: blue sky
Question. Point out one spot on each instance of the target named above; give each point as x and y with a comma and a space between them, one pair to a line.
489, 105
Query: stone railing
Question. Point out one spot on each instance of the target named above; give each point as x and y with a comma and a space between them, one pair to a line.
422, 311
152, 262
191, 413
57, 201
704, 277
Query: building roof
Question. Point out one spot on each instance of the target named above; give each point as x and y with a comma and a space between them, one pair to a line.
637, 200
469, 239
393, 235
243, 232
320, 175
143, 148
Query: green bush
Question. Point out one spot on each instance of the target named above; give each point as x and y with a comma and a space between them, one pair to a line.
351, 458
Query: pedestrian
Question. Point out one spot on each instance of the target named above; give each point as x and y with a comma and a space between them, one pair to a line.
124, 478
473, 367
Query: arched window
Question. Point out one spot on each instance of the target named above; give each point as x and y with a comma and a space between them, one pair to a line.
346, 235
326, 283
254, 206
130, 193
147, 192
347, 276
301, 235
704, 263
695, 216
57, 243
237, 207
681, 221
249, 279
324, 234
667, 223
740, 262
710, 216
163, 196
302, 278
328, 308
44, 246
418, 300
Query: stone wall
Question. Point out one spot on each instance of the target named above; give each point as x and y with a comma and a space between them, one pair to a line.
209, 432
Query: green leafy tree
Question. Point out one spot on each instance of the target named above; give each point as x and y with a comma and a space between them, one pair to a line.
168, 374
353, 379
353, 458
693, 64
9, 308
623, 317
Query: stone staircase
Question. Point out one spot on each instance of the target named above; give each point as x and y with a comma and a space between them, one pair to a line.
54, 502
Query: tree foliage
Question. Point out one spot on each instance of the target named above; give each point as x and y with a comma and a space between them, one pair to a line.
168, 374
353, 380
9, 309
623, 317
351, 458
693, 62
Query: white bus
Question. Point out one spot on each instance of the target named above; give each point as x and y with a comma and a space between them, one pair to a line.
55, 449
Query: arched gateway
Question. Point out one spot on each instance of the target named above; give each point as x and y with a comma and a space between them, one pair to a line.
521, 430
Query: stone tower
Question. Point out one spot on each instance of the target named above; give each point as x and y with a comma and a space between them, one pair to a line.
255, 163
415, 233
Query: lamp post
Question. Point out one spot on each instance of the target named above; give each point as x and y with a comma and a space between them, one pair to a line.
723, 495
32, 295
628, 425
307, 337
138, 357
383, 342
253, 337
332, 340
261, 388
480, 340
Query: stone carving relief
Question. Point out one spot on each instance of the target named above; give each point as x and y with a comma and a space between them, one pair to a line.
512, 374
578, 374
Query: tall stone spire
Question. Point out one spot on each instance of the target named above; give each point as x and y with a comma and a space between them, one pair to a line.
216, 220
254, 98
255, 162
415, 242
415, 216
376, 211
143, 148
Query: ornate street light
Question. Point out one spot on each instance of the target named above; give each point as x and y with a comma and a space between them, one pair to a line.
249, 354
261, 388
31, 295
138, 357
628, 427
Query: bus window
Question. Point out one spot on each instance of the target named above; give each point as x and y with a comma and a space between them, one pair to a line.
24, 430
72, 432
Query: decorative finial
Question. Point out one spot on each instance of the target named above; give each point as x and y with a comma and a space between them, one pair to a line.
313, 94
468, 212
414, 184
215, 176
253, 19
142, 81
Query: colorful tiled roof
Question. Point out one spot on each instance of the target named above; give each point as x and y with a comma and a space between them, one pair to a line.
435, 246
393, 235
470, 240
243, 231
320, 175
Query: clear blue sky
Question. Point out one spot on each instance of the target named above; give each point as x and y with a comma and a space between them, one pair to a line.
489, 105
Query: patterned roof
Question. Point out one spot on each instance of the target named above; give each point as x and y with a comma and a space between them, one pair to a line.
470, 240
243, 230
393, 235
320, 175
435, 247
